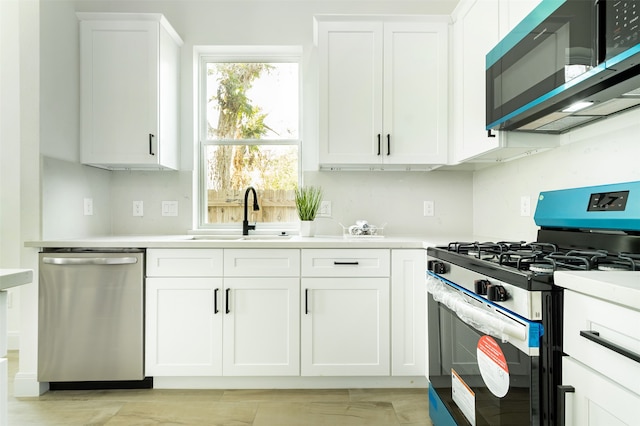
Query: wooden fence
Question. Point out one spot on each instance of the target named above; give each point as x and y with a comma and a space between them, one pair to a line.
227, 206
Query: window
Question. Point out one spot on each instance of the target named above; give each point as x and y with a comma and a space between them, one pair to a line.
249, 134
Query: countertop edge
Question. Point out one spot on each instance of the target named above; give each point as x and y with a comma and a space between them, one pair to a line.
620, 287
15, 277
184, 242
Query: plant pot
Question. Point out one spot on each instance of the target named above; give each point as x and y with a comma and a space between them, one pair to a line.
307, 228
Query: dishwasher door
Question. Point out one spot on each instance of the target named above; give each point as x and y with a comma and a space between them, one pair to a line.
91, 316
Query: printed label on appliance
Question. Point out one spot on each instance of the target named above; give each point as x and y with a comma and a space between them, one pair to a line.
493, 366
464, 397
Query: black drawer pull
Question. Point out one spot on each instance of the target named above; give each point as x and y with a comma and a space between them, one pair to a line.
561, 409
226, 300
594, 336
379, 143
336, 262
215, 300
306, 301
151, 144
388, 144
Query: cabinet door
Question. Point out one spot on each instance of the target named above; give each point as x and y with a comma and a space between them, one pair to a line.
597, 401
345, 327
350, 55
261, 327
183, 327
408, 312
475, 34
415, 93
119, 91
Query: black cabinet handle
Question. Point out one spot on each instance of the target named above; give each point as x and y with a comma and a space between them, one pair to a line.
336, 262
379, 143
306, 301
215, 300
561, 409
489, 134
151, 144
226, 300
388, 144
594, 336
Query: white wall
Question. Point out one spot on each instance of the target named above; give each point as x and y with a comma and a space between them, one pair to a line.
601, 153
397, 199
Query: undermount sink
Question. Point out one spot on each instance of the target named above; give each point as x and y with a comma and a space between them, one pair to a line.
239, 237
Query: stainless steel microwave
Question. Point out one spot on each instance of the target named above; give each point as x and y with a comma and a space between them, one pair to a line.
568, 63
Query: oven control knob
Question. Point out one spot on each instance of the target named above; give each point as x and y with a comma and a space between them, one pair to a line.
497, 293
437, 267
481, 286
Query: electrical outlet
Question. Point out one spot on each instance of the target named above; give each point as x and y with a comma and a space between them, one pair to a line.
525, 205
88, 206
138, 208
325, 209
429, 208
169, 208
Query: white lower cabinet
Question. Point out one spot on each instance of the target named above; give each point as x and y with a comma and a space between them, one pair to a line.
345, 327
600, 369
261, 333
231, 326
408, 313
345, 312
596, 400
183, 327
285, 312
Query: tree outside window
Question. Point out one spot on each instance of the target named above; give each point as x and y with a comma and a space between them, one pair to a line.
251, 139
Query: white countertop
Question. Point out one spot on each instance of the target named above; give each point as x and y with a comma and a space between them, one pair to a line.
187, 241
621, 287
15, 277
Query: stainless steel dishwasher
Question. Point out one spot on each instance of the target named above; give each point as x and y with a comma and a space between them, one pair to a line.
91, 317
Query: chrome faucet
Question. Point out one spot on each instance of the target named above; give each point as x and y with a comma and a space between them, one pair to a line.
245, 223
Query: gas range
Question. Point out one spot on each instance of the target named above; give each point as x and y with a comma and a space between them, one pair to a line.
503, 292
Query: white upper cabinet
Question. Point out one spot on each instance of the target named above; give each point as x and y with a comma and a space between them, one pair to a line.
129, 81
383, 93
476, 30
478, 27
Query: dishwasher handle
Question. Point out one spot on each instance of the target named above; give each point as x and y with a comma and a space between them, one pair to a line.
127, 260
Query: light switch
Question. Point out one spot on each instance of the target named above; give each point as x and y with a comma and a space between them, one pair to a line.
169, 208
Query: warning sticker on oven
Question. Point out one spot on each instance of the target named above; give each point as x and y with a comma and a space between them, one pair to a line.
493, 366
464, 397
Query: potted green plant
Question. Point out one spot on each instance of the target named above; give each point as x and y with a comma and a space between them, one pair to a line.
308, 200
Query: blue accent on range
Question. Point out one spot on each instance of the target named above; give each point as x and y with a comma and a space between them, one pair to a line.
438, 411
606, 207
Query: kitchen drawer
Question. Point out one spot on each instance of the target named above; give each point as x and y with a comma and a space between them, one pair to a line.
346, 263
586, 315
184, 262
262, 263
596, 400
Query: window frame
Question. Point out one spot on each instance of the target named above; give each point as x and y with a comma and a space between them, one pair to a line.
239, 54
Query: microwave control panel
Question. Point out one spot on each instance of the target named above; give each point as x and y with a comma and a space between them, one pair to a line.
623, 24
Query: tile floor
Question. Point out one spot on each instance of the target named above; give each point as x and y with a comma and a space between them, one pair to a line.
335, 407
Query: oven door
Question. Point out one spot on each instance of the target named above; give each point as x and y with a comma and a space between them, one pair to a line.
476, 378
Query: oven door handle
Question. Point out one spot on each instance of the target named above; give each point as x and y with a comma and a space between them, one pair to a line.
594, 336
478, 318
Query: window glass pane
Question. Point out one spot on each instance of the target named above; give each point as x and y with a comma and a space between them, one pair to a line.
252, 101
271, 169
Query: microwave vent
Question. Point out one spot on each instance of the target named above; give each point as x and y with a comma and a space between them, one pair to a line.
611, 106
567, 122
